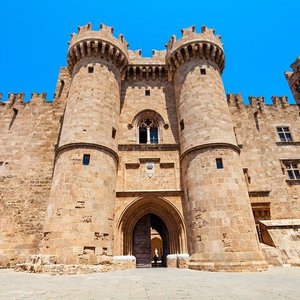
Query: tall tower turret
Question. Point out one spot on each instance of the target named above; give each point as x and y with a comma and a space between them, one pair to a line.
293, 79
219, 221
80, 215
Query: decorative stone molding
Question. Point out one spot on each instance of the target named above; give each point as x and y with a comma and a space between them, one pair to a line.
148, 147
293, 143
205, 45
88, 146
146, 72
101, 43
210, 145
160, 193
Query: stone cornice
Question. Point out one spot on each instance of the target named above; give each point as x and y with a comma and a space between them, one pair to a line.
210, 145
259, 193
292, 143
201, 49
80, 145
136, 72
205, 45
89, 43
148, 147
142, 193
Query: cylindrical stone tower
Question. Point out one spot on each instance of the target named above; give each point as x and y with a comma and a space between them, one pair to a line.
219, 221
80, 215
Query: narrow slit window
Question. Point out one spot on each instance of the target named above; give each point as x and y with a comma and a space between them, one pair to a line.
181, 125
147, 92
86, 159
202, 71
113, 134
61, 88
91, 69
219, 163
15, 112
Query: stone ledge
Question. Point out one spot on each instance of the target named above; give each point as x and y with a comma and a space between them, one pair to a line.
259, 193
288, 143
281, 223
293, 181
148, 147
151, 192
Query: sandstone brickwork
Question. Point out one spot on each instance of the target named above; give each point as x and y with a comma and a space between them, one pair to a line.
129, 138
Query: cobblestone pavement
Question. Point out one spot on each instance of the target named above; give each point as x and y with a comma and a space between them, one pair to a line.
159, 284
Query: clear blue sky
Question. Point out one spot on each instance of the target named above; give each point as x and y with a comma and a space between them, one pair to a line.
261, 38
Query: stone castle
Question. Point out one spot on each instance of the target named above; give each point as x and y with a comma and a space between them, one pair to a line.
140, 161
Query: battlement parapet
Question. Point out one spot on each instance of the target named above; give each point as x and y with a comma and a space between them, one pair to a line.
257, 103
18, 99
147, 72
158, 57
235, 100
205, 45
147, 68
280, 101
97, 43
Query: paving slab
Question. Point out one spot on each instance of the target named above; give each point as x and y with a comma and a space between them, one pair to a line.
155, 283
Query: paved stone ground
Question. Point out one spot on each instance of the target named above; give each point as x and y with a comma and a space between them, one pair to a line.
158, 284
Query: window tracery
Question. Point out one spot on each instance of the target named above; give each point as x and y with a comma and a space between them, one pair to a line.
149, 126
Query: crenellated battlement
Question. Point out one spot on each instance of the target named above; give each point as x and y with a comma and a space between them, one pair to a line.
18, 99
87, 43
235, 100
158, 57
257, 103
280, 101
205, 45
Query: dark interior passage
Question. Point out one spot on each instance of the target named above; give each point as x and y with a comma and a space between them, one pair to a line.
147, 256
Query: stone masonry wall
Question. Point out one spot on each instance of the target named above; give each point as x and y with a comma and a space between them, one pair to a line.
262, 152
28, 133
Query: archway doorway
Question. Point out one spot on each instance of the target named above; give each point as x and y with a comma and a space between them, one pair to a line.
167, 227
150, 242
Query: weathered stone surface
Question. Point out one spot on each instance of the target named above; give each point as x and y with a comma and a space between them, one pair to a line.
128, 137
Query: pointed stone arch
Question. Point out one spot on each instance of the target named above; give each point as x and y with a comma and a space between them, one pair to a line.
155, 118
161, 207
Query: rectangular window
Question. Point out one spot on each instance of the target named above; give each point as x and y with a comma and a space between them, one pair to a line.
86, 159
292, 170
219, 163
284, 134
91, 69
202, 71
147, 92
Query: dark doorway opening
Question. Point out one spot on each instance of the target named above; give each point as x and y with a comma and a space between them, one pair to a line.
150, 242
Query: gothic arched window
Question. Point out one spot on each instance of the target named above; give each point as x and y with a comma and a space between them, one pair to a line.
148, 131
148, 124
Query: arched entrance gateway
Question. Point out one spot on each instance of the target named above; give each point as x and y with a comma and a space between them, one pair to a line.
151, 226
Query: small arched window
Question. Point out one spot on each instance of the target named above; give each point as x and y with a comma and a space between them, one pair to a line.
148, 131
148, 124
